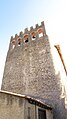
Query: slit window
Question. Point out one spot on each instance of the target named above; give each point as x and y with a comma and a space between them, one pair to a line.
28, 112
33, 35
26, 39
13, 44
19, 41
40, 31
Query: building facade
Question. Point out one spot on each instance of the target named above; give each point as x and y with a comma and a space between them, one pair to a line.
15, 106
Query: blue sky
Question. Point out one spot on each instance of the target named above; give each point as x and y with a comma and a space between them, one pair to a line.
15, 15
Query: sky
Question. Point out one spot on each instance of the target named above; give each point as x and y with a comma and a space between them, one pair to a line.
16, 15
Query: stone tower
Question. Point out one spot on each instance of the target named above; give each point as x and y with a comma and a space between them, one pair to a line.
29, 69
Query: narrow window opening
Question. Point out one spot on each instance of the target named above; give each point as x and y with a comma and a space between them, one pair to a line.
26, 39
33, 36
14, 44
29, 113
19, 41
40, 33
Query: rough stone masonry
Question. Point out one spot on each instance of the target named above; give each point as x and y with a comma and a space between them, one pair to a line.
29, 69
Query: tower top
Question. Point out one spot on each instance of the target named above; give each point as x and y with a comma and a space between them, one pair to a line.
28, 35
26, 31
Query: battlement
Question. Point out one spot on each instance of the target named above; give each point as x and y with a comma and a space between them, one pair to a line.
28, 35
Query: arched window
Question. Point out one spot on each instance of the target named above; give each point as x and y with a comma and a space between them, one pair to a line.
13, 44
26, 38
19, 41
40, 32
33, 34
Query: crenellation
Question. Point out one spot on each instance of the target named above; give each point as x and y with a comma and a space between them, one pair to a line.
28, 35
42, 23
16, 36
21, 34
31, 28
37, 26
11, 38
26, 30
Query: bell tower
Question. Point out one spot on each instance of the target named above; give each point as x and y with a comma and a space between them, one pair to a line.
29, 69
